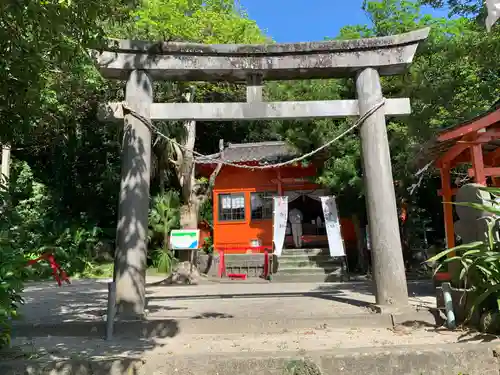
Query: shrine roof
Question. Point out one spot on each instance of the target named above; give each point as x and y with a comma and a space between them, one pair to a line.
448, 137
262, 152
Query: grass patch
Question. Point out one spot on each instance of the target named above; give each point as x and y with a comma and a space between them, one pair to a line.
96, 271
105, 271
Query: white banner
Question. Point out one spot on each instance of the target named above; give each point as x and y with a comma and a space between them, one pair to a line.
279, 223
493, 8
332, 225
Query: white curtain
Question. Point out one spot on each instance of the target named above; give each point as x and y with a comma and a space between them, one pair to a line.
233, 201
314, 194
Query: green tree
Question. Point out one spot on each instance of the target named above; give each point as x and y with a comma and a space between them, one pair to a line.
40, 41
472, 8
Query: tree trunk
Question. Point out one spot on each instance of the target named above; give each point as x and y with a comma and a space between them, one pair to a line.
189, 216
189, 211
192, 197
187, 179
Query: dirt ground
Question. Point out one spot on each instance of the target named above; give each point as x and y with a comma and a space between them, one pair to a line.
210, 303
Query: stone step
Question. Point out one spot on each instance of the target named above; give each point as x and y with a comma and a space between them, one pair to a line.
309, 252
307, 265
308, 278
305, 261
311, 270
307, 256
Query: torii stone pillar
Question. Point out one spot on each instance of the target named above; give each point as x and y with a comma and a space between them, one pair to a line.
132, 230
362, 59
386, 250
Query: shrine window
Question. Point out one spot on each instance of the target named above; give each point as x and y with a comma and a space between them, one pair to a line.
232, 207
261, 205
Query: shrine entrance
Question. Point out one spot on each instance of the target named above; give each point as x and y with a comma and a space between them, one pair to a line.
365, 60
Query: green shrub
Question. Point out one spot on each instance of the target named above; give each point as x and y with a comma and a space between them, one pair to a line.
12, 270
164, 216
208, 245
12, 278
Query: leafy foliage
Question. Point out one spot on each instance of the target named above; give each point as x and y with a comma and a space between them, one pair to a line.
202, 21
208, 245
11, 272
471, 8
42, 43
163, 217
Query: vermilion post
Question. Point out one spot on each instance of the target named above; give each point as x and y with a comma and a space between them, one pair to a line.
266, 264
447, 194
478, 164
222, 264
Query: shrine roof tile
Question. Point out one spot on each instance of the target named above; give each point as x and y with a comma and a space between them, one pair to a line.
262, 152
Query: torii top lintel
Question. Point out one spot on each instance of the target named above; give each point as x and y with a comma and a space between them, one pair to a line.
176, 61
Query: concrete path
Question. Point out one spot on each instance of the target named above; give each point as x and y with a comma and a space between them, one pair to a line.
85, 300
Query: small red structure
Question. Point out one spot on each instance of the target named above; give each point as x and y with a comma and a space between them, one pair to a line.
242, 198
474, 142
58, 273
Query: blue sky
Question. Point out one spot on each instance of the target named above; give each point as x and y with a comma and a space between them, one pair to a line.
306, 20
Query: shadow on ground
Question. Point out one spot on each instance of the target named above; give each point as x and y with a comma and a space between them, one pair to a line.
420, 288
86, 300
330, 295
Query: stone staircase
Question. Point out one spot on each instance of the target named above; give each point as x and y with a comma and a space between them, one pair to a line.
308, 265
294, 265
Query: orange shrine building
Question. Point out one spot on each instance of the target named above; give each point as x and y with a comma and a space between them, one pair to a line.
243, 198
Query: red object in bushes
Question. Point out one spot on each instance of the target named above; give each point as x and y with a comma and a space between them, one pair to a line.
442, 276
58, 273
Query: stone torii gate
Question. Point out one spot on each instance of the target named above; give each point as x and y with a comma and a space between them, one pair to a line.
139, 63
